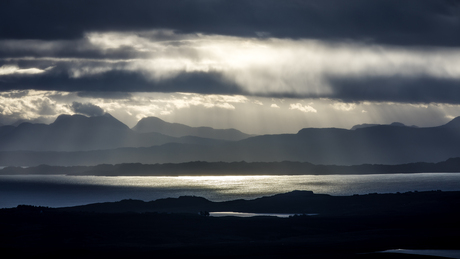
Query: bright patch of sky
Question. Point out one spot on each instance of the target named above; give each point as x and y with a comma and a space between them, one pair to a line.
222, 111
11, 70
258, 66
262, 70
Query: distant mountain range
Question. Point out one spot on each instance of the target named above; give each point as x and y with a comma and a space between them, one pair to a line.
81, 133
87, 137
154, 124
365, 125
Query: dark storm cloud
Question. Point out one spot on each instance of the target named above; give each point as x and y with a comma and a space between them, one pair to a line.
120, 81
87, 109
10, 49
105, 95
396, 89
425, 22
119, 84
61, 45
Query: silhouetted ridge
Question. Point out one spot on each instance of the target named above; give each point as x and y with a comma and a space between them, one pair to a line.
154, 124
234, 168
454, 123
293, 195
381, 144
323, 227
64, 117
182, 201
365, 125
397, 124
66, 133
291, 202
81, 133
105, 121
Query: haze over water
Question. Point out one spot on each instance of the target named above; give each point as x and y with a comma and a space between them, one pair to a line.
61, 190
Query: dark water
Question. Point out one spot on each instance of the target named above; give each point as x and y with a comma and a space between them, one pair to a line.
61, 190
442, 253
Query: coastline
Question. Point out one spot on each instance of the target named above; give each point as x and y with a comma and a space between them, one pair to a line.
197, 168
347, 227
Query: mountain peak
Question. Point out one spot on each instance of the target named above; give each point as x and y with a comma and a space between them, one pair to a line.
66, 117
153, 124
108, 115
151, 118
398, 124
78, 120
454, 123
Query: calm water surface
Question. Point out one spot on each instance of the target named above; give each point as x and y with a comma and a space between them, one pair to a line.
247, 215
443, 253
61, 190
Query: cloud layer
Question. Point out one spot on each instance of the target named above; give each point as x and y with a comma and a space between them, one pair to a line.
406, 22
256, 115
259, 65
88, 109
166, 61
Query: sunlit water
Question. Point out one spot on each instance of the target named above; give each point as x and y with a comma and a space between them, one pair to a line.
61, 190
247, 215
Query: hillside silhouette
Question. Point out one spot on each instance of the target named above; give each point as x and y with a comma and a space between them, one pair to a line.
154, 124
81, 133
347, 227
380, 144
234, 168
295, 202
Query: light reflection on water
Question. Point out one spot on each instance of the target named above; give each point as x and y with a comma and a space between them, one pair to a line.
61, 190
247, 215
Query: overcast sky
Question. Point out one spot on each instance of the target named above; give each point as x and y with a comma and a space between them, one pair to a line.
261, 66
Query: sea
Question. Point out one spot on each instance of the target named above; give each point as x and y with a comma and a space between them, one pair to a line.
64, 191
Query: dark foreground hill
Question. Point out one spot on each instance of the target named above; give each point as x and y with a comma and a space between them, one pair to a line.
346, 227
296, 202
